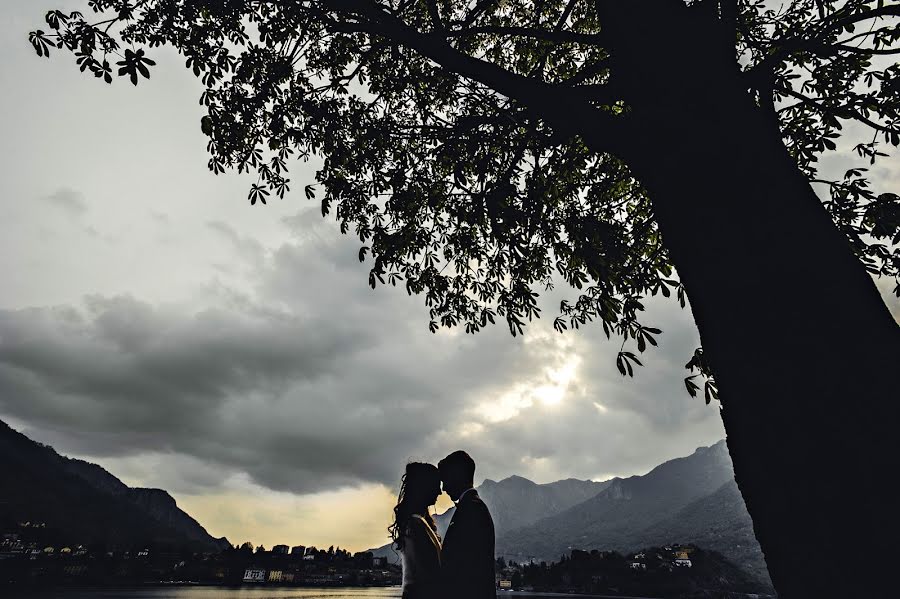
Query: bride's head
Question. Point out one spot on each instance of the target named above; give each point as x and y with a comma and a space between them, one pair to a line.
420, 487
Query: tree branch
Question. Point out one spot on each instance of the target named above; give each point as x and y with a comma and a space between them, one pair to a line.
566, 109
566, 13
434, 15
542, 34
835, 21
869, 51
591, 70
813, 42
847, 113
478, 10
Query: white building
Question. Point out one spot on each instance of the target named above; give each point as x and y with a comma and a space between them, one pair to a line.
254, 575
683, 559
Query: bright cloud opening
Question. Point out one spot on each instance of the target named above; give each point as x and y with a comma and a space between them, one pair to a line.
548, 390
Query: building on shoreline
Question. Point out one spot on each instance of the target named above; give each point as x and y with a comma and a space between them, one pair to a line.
254, 575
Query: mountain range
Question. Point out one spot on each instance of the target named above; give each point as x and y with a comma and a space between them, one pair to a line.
517, 502
81, 503
693, 499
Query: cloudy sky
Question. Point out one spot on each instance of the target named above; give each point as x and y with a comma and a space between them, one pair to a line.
153, 322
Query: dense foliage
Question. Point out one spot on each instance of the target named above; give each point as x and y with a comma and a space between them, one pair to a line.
445, 150
649, 572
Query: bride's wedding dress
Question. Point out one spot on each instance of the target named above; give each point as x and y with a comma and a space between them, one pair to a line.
421, 559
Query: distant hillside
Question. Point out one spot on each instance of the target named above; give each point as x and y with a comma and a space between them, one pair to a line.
718, 522
516, 502
610, 519
692, 499
83, 503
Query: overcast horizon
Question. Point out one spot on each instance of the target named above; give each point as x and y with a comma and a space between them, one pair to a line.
155, 323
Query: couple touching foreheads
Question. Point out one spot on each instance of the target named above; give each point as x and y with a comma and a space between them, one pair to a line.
460, 567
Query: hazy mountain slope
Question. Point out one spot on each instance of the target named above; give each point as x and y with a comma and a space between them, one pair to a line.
611, 518
84, 503
516, 502
161, 506
96, 476
156, 503
719, 522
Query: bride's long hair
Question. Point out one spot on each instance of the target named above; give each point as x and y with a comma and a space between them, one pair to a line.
417, 482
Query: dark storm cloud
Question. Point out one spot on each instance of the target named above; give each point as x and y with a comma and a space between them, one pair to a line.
67, 200
244, 391
313, 381
319, 382
248, 248
130, 364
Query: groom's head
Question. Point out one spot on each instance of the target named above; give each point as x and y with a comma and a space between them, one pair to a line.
457, 473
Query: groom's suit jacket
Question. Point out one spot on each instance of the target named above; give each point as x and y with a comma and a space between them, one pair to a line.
467, 557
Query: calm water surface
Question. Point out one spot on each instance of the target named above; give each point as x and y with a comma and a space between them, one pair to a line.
176, 592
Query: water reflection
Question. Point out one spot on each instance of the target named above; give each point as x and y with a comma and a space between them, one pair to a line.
211, 593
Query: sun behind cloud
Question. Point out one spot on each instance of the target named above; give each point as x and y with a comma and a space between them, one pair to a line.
548, 388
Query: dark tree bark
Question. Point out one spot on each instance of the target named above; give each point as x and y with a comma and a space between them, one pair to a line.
804, 350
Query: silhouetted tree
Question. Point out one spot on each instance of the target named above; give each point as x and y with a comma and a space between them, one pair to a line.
516, 580
483, 149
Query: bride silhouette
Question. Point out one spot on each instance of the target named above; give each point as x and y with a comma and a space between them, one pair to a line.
414, 531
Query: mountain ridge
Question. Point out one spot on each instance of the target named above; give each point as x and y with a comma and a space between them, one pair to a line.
85, 503
616, 508
719, 522
689, 499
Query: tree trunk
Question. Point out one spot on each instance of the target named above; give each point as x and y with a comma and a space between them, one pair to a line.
804, 350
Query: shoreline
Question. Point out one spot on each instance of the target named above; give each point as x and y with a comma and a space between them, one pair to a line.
195, 585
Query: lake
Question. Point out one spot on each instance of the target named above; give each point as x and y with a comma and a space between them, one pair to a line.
190, 592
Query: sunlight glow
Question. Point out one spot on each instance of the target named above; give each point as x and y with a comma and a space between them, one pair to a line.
355, 518
560, 378
468, 429
549, 390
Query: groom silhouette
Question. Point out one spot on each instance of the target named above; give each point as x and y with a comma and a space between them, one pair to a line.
467, 557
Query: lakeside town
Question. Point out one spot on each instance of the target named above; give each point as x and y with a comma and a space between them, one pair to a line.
25, 560
28, 560
72, 524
